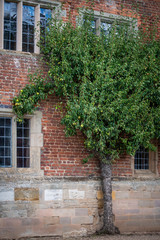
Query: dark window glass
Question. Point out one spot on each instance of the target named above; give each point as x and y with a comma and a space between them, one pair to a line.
142, 158
106, 27
10, 25
28, 29
5, 142
45, 14
23, 144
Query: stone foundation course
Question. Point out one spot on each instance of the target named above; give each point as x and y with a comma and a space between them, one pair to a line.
31, 207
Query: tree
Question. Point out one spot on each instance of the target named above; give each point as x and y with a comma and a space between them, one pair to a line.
111, 87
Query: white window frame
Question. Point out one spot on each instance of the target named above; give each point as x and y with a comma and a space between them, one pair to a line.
36, 142
54, 6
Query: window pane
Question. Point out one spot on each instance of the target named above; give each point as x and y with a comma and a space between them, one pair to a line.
23, 144
28, 29
10, 25
7, 162
106, 27
1, 142
7, 151
45, 14
5, 142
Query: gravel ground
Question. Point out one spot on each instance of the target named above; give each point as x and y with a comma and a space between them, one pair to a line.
152, 236
124, 237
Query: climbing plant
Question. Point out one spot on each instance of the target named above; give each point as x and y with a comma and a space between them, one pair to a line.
111, 87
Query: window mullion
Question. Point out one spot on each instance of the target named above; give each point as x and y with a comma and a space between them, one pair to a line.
19, 26
37, 26
2, 23
98, 26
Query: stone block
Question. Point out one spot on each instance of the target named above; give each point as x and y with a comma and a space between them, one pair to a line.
133, 203
6, 195
90, 194
155, 195
122, 217
113, 195
34, 142
147, 195
45, 212
148, 216
75, 194
157, 216
136, 216
121, 203
157, 203
65, 220
65, 194
146, 203
136, 195
99, 195
26, 194
73, 231
51, 220
122, 195
82, 220
59, 212
53, 194
131, 211
81, 212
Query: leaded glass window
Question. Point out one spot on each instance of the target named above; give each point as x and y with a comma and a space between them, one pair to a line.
10, 25
45, 14
5, 142
28, 28
106, 27
141, 158
23, 144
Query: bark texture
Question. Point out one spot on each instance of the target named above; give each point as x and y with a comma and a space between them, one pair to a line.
106, 174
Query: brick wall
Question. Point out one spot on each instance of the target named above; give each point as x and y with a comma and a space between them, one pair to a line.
63, 156
37, 206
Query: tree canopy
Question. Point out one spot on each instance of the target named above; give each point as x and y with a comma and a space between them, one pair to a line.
110, 83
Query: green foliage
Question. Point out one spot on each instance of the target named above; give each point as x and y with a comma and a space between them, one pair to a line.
31, 94
111, 85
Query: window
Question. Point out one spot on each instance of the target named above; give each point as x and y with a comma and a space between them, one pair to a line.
10, 25
145, 161
19, 19
28, 28
20, 143
23, 146
23, 143
103, 22
141, 159
45, 14
5, 142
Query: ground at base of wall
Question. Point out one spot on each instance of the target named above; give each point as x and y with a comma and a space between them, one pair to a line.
127, 236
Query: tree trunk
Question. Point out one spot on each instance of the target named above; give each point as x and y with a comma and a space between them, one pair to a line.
108, 225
